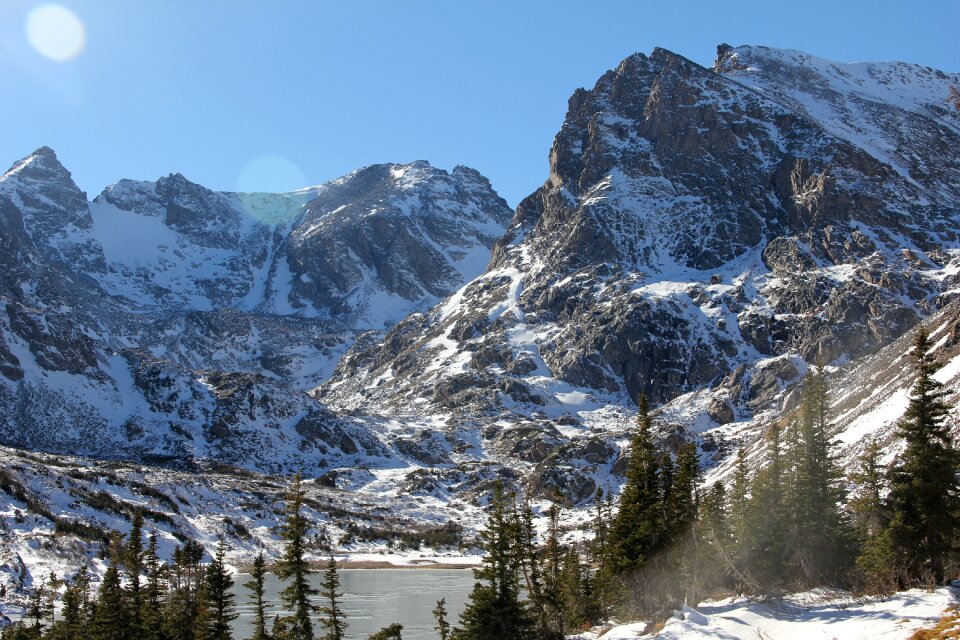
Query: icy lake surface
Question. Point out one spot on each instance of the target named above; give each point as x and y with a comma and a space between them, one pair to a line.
374, 598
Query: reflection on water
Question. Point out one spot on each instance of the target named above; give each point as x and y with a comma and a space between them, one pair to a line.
374, 598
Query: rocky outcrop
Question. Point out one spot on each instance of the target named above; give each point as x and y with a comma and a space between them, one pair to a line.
749, 218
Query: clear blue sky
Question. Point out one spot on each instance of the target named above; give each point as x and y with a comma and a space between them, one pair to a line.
206, 87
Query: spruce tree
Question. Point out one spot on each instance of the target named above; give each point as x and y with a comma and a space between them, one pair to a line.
870, 515
132, 558
600, 550
110, 620
256, 587
637, 531
153, 592
923, 484
765, 530
820, 540
494, 609
440, 615
73, 623
333, 619
390, 632
182, 612
293, 566
218, 597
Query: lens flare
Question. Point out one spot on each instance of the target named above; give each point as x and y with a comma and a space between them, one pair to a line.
56, 32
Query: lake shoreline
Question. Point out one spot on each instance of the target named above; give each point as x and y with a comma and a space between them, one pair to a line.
421, 564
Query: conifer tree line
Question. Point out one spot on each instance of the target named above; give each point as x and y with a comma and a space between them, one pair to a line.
788, 520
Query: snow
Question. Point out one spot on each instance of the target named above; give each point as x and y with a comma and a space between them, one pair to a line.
805, 616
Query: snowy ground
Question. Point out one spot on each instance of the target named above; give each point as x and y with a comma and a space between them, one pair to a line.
805, 616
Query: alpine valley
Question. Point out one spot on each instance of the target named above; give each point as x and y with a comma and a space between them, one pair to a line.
403, 338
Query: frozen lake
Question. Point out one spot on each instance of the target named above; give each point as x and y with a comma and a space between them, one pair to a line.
374, 598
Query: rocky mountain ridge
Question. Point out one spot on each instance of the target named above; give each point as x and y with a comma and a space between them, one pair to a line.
166, 321
703, 236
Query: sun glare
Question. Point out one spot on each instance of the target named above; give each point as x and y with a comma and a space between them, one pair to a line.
56, 32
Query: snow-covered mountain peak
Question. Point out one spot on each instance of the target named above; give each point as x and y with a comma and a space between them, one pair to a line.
908, 86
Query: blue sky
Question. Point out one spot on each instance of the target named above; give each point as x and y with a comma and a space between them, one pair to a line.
280, 94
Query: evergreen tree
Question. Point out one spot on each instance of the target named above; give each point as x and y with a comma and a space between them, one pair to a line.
73, 625
132, 559
153, 593
600, 548
440, 615
390, 632
870, 515
765, 530
333, 619
110, 619
637, 531
923, 485
182, 613
293, 567
256, 587
820, 541
37, 609
219, 598
494, 609
681, 508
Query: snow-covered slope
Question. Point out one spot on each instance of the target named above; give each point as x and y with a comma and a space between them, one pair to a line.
815, 614
698, 226
167, 321
703, 235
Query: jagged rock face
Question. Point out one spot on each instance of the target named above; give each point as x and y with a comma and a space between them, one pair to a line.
166, 321
694, 220
410, 231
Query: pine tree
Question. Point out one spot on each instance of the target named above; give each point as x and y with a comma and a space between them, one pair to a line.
153, 593
110, 619
923, 485
219, 598
600, 550
870, 515
182, 613
256, 587
132, 558
37, 609
293, 566
820, 541
765, 530
73, 621
637, 532
390, 632
440, 615
494, 609
333, 618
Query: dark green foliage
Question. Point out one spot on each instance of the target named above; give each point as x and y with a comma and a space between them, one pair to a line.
218, 598
638, 530
182, 613
110, 621
820, 539
924, 501
256, 587
293, 567
440, 615
153, 593
391, 632
333, 619
495, 609
132, 560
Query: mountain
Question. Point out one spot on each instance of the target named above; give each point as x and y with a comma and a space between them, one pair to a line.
700, 228
166, 321
703, 236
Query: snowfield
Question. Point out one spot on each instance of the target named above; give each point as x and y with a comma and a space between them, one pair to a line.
805, 616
